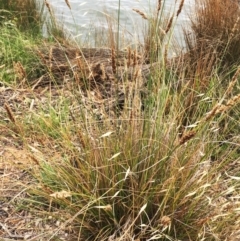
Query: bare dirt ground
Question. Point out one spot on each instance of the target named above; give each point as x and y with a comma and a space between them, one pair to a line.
17, 221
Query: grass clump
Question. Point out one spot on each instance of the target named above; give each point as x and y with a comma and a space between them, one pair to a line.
161, 167
215, 37
144, 180
24, 13
21, 28
19, 62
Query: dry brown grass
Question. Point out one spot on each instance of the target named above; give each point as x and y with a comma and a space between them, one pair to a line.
215, 41
212, 51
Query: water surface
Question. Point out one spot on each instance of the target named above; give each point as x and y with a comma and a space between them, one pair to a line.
88, 19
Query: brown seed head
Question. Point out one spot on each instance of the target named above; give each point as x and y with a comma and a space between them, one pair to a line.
134, 57
212, 112
140, 13
114, 66
233, 81
20, 71
129, 57
234, 28
169, 24
230, 103
68, 4
187, 136
159, 6
9, 113
35, 160
165, 221
48, 7
180, 8
81, 139
233, 101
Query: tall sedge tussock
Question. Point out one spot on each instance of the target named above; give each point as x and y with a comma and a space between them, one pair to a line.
160, 169
215, 31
